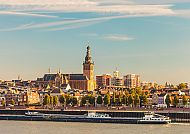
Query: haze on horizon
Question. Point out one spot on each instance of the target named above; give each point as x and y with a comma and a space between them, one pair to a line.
136, 36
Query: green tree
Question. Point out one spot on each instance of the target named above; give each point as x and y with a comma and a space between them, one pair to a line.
144, 99
91, 99
124, 100
68, 99
130, 100
168, 100
176, 100
99, 100
74, 101
182, 86
3, 102
83, 100
138, 90
51, 100
46, 100
114, 98
12, 102
136, 100
62, 100
55, 100
184, 99
119, 100
107, 99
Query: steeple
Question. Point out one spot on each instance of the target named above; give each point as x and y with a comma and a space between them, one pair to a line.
88, 58
88, 69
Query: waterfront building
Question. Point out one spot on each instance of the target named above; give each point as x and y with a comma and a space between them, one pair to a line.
103, 80
29, 97
116, 80
84, 81
132, 81
161, 100
11, 97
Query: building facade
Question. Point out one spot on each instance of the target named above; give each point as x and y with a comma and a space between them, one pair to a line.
132, 81
103, 80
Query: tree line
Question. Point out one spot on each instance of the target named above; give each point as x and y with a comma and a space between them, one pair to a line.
175, 100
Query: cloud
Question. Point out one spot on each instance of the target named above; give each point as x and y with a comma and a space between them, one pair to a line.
25, 14
85, 6
117, 37
111, 37
73, 26
16, 28
182, 13
160, 1
67, 22
108, 8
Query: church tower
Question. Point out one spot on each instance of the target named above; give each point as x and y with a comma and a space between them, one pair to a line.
88, 65
88, 69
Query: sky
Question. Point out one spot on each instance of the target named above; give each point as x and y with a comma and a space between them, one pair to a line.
145, 37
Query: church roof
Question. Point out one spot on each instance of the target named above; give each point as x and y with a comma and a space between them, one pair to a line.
49, 77
78, 77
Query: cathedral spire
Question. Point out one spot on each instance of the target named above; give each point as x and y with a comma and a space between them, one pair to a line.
88, 58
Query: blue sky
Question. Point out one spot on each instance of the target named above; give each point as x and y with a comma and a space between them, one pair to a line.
146, 37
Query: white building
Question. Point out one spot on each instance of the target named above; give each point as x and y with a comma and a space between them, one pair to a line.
132, 81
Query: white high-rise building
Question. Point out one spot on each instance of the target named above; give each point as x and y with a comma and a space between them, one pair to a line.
132, 81
116, 80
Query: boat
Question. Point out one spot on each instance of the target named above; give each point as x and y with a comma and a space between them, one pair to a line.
92, 116
35, 114
97, 115
31, 113
152, 118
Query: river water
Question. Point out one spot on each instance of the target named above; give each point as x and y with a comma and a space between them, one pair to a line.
24, 127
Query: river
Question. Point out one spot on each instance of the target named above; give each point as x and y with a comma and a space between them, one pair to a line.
25, 127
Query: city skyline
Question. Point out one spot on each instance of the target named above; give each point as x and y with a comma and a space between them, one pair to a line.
152, 42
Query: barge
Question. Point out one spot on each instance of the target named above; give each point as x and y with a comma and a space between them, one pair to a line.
93, 117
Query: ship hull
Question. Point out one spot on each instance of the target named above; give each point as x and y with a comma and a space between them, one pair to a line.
79, 119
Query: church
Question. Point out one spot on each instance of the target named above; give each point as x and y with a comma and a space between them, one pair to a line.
84, 81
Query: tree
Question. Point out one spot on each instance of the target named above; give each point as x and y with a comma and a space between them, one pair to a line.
99, 100
182, 86
144, 99
130, 100
168, 100
62, 100
12, 102
51, 100
3, 102
175, 100
46, 100
119, 100
74, 101
83, 101
55, 100
138, 90
124, 100
68, 99
184, 99
91, 99
107, 99
136, 100
114, 98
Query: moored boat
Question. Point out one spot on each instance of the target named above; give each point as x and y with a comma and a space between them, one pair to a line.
152, 118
